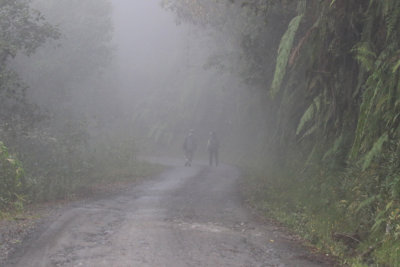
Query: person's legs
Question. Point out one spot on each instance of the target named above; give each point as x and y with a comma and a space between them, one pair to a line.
190, 157
187, 158
213, 157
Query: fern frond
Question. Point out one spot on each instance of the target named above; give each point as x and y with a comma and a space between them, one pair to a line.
364, 55
382, 103
375, 151
284, 50
309, 132
379, 223
367, 202
301, 6
312, 156
396, 66
309, 114
386, 7
365, 110
391, 19
335, 148
296, 50
317, 80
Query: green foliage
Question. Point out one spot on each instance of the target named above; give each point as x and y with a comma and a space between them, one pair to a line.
391, 12
309, 114
396, 66
352, 78
364, 55
22, 30
375, 151
377, 107
343, 90
52, 137
284, 50
11, 180
334, 149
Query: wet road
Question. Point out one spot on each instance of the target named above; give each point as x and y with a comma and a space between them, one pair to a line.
186, 216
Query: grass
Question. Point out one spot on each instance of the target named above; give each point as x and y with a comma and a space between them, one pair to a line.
101, 177
333, 214
306, 205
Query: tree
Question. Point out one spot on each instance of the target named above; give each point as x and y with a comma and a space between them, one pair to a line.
63, 77
24, 30
59, 70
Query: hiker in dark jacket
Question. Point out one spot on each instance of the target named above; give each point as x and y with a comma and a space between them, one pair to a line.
212, 147
189, 147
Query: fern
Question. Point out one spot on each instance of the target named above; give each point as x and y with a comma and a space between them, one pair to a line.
382, 103
365, 55
309, 114
311, 157
309, 132
301, 6
315, 81
392, 13
365, 110
379, 223
375, 151
396, 66
367, 202
285, 47
335, 148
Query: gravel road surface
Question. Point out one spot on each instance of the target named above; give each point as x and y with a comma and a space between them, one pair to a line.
186, 216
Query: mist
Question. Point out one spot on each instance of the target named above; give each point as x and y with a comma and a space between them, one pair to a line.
175, 76
290, 106
121, 79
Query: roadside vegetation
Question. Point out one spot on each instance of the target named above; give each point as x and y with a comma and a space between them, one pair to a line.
304, 95
318, 134
53, 144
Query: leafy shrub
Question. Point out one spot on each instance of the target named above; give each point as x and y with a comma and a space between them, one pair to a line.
11, 180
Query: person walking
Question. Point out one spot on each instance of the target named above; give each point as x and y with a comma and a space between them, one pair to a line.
212, 147
189, 147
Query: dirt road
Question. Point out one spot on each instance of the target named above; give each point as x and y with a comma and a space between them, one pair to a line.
187, 216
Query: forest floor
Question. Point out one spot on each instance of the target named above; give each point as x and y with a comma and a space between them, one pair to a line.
186, 216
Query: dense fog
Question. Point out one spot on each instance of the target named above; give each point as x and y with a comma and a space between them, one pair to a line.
108, 81
172, 76
99, 84
302, 95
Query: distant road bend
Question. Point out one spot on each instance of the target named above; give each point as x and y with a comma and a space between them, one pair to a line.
186, 216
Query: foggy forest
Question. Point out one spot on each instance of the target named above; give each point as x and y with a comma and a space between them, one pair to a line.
99, 97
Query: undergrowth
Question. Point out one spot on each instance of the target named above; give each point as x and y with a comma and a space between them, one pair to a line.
351, 214
59, 178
